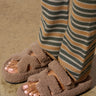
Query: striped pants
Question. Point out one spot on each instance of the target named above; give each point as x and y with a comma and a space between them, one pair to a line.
68, 32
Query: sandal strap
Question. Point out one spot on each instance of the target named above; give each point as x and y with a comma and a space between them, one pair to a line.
80, 88
26, 62
40, 54
60, 72
48, 85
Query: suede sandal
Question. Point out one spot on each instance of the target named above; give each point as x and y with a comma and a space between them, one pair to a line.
59, 84
29, 62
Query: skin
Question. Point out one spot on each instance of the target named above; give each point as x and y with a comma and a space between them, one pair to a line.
11, 67
29, 87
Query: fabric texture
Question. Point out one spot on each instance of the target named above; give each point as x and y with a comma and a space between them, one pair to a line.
27, 64
54, 19
72, 42
47, 84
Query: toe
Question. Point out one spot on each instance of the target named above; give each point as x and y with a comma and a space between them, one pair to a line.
6, 68
30, 89
25, 87
31, 94
9, 62
36, 93
10, 70
11, 67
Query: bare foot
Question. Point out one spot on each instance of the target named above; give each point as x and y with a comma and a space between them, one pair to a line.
11, 67
30, 87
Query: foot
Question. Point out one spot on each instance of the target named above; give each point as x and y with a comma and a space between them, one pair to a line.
30, 89
12, 67
53, 81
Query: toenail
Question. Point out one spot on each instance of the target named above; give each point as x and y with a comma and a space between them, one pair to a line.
9, 62
10, 69
6, 68
30, 94
26, 92
25, 86
35, 95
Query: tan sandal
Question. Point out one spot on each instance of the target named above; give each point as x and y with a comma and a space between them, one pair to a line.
27, 65
59, 84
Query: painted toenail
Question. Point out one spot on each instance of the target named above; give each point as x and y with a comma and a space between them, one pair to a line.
30, 94
6, 68
10, 69
35, 95
26, 92
25, 86
9, 62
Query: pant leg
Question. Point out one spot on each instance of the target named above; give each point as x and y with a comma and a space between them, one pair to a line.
54, 19
78, 46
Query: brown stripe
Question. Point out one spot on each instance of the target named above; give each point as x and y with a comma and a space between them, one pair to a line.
81, 32
66, 65
83, 77
75, 43
75, 55
48, 47
83, 19
72, 53
54, 8
89, 63
51, 33
89, 55
66, 69
78, 44
55, 21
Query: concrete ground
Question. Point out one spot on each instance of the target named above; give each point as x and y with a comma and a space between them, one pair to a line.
19, 27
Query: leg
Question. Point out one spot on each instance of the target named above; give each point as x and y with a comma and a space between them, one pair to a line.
54, 21
77, 49
78, 46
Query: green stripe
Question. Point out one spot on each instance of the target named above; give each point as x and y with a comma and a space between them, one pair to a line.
70, 56
56, 3
81, 36
77, 52
84, 10
83, 23
77, 60
53, 52
78, 48
78, 40
75, 47
85, 71
55, 17
91, 49
82, 28
83, 15
50, 38
69, 61
88, 1
53, 30
79, 75
54, 25
55, 12
88, 60
49, 42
